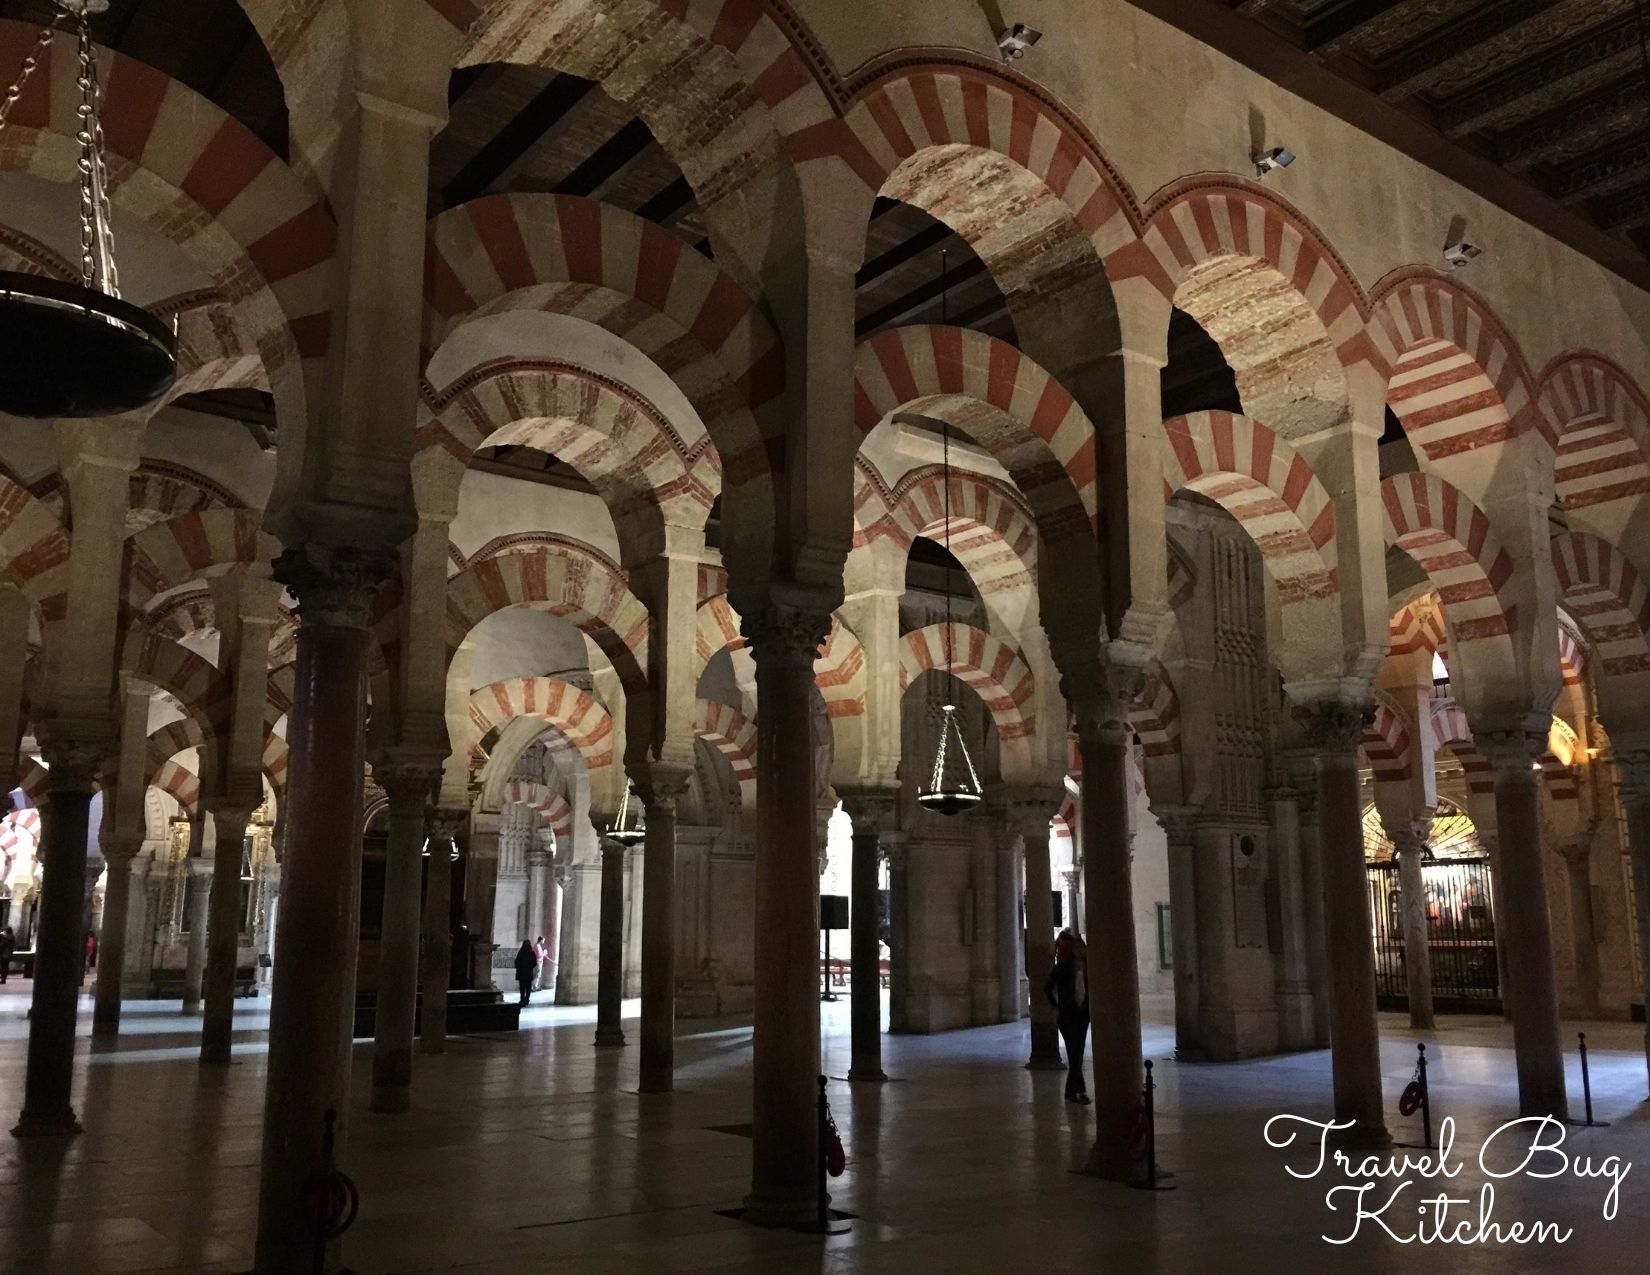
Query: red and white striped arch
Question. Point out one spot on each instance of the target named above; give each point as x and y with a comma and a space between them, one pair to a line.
1386, 744
1602, 423
732, 734
211, 354
1155, 715
715, 628
182, 783
581, 718
201, 179
612, 435
1182, 580
194, 546
34, 549
1572, 655
991, 531
545, 802
1271, 491
1604, 592
1558, 763
1199, 221
1000, 397
199, 689
1457, 380
1451, 730
993, 670
1450, 539
839, 672
563, 581
629, 276
1418, 626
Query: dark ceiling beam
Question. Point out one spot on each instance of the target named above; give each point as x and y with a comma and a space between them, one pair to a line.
918, 296
1423, 62
612, 155
1334, 29
1310, 79
515, 139
1605, 111
1606, 170
1626, 211
1611, 44
669, 204
926, 238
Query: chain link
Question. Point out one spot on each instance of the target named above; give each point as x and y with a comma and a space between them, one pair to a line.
106, 220
15, 89
88, 158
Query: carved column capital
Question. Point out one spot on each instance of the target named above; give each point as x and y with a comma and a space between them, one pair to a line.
1409, 836
873, 810
73, 761
1100, 695
409, 782
785, 636
660, 785
1179, 823
447, 822
335, 585
1027, 809
1334, 725
1511, 752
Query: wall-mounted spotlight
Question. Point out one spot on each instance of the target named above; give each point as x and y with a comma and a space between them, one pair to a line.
1014, 42
1277, 157
1461, 253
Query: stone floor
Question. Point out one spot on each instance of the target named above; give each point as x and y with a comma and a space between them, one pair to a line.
534, 1153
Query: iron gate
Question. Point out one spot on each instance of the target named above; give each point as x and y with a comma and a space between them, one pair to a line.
1460, 936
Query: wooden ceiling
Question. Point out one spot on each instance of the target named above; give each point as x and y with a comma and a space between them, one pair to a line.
1542, 106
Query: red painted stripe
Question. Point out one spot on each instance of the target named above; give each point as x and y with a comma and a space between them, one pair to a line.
230, 161
581, 239
132, 101
500, 237
297, 244
948, 359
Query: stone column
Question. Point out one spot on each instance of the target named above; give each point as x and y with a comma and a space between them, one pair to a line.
118, 853
659, 787
272, 905
1410, 842
223, 932
436, 974
139, 950
313, 1006
59, 943
1633, 781
1335, 728
1031, 809
1577, 856
785, 1063
409, 783
610, 947
15, 611
1294, 982
1011, 935
552, 929
1317, 941
899, 933
538, 873
1113, 967
1180, 830
873, 812
1537, 1044
200, 905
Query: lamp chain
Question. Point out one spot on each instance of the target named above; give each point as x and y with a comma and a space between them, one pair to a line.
15, 89
97, 237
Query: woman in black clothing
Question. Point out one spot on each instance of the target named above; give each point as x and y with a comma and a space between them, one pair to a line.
1067, 990
527, 969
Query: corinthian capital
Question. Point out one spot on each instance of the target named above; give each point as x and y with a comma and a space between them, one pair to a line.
784, 635
1333, 725
335, 584
1511, 752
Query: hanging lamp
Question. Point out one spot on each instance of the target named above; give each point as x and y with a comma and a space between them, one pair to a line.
77, 349
949, 792
633, 832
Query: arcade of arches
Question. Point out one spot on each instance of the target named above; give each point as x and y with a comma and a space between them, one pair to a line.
687, 400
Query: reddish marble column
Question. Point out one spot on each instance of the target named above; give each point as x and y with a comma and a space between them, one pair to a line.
873, 812
313, 1003
223, 933
659, 787
785, 1051
60, 941
409, 784
1335, 729
446, 825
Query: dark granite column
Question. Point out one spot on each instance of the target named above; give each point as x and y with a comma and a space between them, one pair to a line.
659, 787
873, 812
436, 972
223, 932
409, 784
610, 947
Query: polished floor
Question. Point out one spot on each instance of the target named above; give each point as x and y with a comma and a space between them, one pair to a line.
534, 1153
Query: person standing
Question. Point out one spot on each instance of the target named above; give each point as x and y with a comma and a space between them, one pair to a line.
526, 967
539, 953
8, 945
1067, 990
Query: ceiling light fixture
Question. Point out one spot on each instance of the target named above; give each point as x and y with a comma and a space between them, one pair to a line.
77, 349
1277, 157
1014, 42
632, 832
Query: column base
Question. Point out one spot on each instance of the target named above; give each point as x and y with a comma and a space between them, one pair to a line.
105, 1031
390, 1099
1115, 1163
775, 1214
56, 1124
215, 1060
656, 1083
1042, 1062
867, 1073
606, 1038
1364, 1135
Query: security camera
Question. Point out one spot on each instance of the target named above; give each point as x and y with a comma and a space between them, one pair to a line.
1277, 157
1461, 253
1016, 40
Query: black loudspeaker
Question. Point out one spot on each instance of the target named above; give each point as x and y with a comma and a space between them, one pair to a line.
833, 911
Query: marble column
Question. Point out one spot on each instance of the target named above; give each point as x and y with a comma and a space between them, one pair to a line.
313, 1004
785, 1058
538, 875
1317, 941
1335, 729
272, 906
1410, 842
1633, 781
139, 950
118, 853
552, 929
1294, 980
1537, 1042
15, 613
223, 932
409, 784
873, 812
1113, 966
1577, 856
610, 947
1180, 830
1011, 974
59, 941
201, 871
1031, 809
659, 786
898, 856
447, 823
